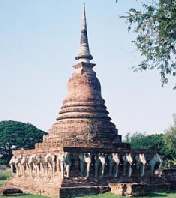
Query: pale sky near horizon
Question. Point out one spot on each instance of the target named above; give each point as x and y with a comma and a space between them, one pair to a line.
38, 43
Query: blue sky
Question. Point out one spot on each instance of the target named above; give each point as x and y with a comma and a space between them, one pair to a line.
38, 43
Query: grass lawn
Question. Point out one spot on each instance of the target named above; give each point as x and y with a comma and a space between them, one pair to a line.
2, 182
106, 195
154, 195
25, 196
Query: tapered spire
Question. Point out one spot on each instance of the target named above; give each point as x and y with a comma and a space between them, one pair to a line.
84, 51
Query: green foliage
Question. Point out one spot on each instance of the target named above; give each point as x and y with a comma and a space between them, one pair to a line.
152, 142
4, 160
170, 141
164, 144
171, 163
4, 176
154, 25
15, 134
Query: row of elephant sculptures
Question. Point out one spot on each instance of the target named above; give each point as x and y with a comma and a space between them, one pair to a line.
113, 160
61, 163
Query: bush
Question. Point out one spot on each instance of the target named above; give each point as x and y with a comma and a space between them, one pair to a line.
5, 175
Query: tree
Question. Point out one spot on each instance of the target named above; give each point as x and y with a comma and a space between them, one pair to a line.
17, 135
155, 28
165, 143
170, 141
153, 142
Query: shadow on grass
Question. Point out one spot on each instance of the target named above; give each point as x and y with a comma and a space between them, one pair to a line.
162, 194
157, 194
17, 195
150, 195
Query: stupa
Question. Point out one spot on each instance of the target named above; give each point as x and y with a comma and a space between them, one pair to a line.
83, 151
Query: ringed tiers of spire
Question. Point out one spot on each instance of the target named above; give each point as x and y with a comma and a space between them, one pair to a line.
84, 54
83, 120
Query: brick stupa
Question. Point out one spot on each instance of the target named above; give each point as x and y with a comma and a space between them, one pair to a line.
83, 126
83, 120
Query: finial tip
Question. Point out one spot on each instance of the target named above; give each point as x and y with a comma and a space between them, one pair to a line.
84, 52
84, 7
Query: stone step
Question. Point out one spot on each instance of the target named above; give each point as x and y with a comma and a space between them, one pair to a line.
84, 182
137, 189
69, 192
